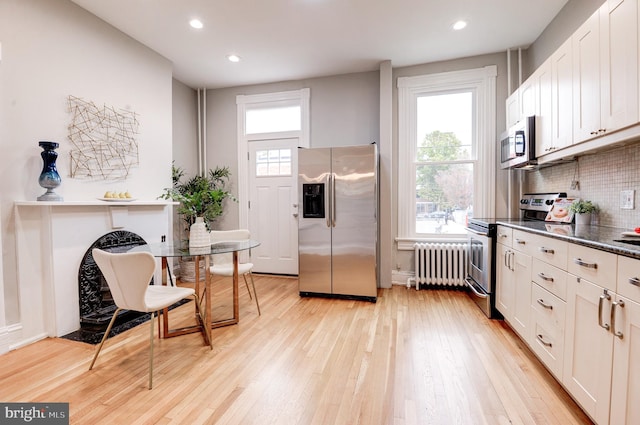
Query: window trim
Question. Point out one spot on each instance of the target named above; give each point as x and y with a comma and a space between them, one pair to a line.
483, 82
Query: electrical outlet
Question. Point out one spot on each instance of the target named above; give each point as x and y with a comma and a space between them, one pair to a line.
626, 199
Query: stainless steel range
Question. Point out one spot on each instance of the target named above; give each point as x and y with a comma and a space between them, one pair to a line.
481, 248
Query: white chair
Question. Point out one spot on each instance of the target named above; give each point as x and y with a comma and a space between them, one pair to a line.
223, 263
128, 275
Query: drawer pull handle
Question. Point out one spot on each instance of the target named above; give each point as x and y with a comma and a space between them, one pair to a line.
520, 241
613, 317
542, 303
543, 277
634, 281
503, 235
603, 297
541, 339
579, 262
547, 250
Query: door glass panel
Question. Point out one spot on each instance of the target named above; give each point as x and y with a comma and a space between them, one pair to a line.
273, 162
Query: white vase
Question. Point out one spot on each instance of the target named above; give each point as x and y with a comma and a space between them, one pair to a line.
198, 234
583, 219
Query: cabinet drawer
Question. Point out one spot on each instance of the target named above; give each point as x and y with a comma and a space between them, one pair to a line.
504, 235
550, 278
629, 278
547, 328
548, 308
599, 267
523, 242
549, 250
548, 346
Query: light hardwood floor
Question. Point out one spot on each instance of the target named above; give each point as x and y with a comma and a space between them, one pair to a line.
427, 357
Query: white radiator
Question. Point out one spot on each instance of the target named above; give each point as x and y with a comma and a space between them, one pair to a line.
443, 264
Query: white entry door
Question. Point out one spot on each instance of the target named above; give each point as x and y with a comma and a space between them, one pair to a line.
273, 205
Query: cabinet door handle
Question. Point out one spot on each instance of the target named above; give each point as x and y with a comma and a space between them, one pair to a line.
634, 281
520, 241
603, 297
512, 256
543, 277
613, 317
542, 303
546, 250
541, 339
579, 262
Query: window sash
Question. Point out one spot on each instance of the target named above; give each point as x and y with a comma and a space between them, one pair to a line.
482, 81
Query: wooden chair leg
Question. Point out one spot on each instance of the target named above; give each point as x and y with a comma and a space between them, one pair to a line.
104, 338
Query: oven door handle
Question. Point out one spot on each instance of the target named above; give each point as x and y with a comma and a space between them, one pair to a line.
471, 286
475, 232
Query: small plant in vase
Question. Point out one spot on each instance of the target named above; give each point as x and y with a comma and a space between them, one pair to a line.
583, 211
200, 196
201, 199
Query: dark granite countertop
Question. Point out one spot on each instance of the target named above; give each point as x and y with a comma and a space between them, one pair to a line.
598, 237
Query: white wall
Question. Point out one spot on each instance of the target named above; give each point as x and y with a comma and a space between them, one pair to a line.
52, 49
344, 111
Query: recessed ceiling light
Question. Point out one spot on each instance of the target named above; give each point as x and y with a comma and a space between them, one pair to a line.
233, 58
196, 23
459, 25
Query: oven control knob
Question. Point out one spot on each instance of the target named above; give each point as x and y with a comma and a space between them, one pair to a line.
549, 202
524, 201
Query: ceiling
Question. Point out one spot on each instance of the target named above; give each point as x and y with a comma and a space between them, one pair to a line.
280, 40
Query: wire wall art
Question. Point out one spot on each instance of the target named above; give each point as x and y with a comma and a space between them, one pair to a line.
104, 145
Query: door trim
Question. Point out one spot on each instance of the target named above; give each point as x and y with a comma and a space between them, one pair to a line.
242, 101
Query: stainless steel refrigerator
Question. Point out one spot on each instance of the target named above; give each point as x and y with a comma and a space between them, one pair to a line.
337, 227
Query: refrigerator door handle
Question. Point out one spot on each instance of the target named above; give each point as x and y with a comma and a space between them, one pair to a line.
333, 200
329, 198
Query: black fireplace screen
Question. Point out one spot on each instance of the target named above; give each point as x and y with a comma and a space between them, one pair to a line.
96, 303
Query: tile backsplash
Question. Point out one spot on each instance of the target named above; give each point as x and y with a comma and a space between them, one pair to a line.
601, 176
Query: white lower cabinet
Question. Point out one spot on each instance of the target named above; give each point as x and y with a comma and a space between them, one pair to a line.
588, 355
625, 382
578, 309
522, 286
513, 288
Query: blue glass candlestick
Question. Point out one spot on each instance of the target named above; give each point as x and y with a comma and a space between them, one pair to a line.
49, 177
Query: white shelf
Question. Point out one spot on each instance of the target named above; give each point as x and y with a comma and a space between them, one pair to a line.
96, 202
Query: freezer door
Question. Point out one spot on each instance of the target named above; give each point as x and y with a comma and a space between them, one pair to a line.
354, 210
314, 231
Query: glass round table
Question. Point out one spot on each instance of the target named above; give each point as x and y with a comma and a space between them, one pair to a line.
164, 250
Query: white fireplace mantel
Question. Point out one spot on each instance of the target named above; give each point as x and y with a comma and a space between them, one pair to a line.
51, 240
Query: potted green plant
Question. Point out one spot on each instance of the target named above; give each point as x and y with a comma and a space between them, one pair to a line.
201, 196
583, 211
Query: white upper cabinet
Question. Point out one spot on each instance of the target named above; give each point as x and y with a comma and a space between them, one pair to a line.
586, 80
588, 90
562, 96
513, 108
619, 64
605, 77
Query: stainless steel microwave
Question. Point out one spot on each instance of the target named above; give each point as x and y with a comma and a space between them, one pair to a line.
518, 144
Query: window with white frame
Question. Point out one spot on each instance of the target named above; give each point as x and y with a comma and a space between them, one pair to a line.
446, 153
